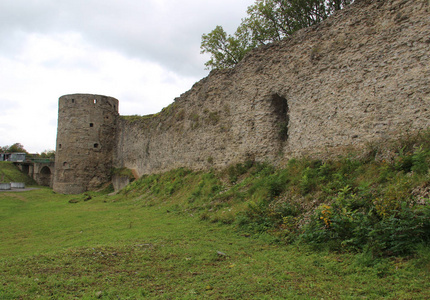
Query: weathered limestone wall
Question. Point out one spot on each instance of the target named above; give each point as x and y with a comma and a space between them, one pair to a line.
85, 142
360, 76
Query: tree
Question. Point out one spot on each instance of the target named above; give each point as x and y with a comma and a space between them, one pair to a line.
267, 21
48, 154
17, 147
226, 50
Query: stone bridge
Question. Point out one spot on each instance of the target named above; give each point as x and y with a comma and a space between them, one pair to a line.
41, 171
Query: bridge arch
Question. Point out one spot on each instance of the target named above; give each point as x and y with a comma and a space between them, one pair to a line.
45, 170
45, 176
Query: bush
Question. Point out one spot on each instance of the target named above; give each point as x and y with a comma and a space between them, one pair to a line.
396, 232
401, 231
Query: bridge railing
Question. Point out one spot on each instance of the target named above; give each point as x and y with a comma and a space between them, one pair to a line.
42, 160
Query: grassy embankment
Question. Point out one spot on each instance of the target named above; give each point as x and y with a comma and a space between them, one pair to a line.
10, 173
349, 228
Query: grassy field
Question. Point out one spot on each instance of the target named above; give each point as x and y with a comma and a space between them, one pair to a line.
114, 247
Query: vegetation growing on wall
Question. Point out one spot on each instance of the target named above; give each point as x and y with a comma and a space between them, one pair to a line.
123, 172
167, 117
267, 21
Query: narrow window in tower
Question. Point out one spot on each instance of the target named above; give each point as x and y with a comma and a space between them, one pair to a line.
91, 125
96, 145
73, 100
59, 146
95, 101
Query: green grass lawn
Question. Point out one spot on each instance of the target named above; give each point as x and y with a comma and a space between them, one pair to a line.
118, 247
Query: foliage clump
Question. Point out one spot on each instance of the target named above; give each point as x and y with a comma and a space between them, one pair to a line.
17, 147
123, 172
267, 21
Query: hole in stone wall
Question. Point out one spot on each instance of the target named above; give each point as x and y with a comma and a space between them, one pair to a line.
95, 101
73, 100
65, 164
96, 145
280, 110
59, 146
91, 125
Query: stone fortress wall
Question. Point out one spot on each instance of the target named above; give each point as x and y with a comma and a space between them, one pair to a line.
360, 76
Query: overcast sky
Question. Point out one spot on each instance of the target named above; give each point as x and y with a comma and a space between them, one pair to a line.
144, 53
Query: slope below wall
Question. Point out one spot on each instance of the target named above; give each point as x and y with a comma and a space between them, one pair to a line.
360, 76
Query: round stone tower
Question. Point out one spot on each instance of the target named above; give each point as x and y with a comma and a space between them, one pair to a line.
85, 142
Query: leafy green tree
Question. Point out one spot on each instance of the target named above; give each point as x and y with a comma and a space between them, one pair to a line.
48, 154
226, 50
17, 147
267, 21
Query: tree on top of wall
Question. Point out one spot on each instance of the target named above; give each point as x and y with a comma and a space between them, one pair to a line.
267, 21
